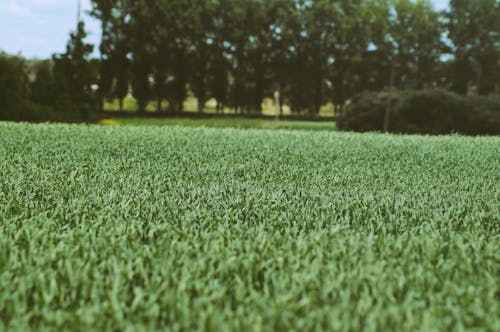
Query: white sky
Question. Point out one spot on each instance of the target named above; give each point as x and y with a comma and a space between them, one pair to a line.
38, 28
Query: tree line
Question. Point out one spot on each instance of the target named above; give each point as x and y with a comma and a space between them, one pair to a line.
304, 52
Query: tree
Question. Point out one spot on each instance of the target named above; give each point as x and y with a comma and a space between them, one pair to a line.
346, 35
141, 52
102, 10
308, 58
473, 28
115, 47
14, 86
201, 52
280, 48
44, 87
170, 45
407, 47
74, 74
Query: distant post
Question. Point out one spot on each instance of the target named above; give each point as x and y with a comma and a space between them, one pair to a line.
277, 102
389, 97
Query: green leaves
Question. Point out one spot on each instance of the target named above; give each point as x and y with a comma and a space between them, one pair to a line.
224, 229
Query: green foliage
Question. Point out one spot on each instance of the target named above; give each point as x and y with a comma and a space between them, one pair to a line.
473, 27
14, 87
73, 76
141, 228
14, 81
60, 90
311, 52
18, 100
424, 112
416, 43
44, 88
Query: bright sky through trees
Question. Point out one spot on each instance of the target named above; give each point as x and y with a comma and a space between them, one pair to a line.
38, 28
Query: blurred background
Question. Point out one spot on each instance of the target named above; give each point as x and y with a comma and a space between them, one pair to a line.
398, 65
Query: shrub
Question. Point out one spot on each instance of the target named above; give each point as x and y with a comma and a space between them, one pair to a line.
424, 112
14, 85
484, 117
42, 100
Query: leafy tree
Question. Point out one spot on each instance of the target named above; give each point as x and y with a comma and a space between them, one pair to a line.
44, 88
14, 86
201, 52
102, 10
115, 47
74, 74
281, 46
308, 58
346, 35
140, 43
120, 30
473, 28
407, 46
170, 45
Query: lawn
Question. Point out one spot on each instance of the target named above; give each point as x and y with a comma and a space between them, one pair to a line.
182, 228
242, 123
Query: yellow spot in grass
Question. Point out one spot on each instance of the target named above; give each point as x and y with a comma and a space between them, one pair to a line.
109, 122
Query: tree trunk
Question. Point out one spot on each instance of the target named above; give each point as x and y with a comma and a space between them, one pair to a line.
282, 101
201, 105
389, 97
218, 107
101, 104
478, 79
141, 106
120, 104
158, 104
340, 109
277, 102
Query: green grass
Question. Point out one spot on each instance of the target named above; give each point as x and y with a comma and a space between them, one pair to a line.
155, 228
243, 123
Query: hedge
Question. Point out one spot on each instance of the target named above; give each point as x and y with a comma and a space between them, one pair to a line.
424, 112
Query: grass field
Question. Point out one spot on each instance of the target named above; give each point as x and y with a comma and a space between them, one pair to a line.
242, 123
146, 228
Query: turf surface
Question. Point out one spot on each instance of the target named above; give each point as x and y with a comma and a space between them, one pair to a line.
241, 123
133, 228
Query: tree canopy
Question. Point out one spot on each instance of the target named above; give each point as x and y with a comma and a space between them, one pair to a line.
309, 51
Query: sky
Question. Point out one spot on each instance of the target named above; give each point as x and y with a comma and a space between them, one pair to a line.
39, 28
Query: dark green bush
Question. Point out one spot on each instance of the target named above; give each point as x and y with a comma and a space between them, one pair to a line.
27, 111
424, 112
14, 86
484, 117
43, 100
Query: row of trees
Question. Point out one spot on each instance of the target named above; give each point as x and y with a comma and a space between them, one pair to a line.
306, 52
